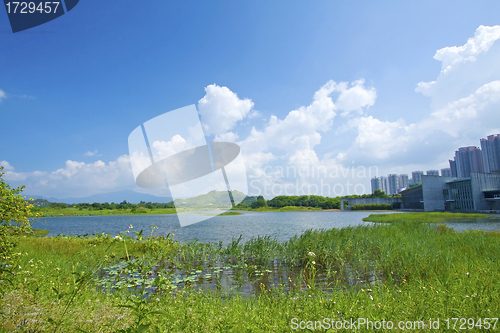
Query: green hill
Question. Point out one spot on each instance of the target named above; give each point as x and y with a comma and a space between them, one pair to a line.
38, 202
213, 199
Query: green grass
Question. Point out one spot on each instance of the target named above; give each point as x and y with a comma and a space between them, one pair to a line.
230, 213
223, 214
423, 272
431, 217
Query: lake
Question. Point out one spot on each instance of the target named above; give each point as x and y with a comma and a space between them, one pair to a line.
279, 225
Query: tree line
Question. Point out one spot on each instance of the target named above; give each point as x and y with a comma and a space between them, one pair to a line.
316, 201
280, 201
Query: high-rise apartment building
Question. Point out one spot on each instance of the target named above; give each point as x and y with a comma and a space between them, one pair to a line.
416, 177
467, 160
491, 153
446, 172
380, 183
433, 173
453, 168
403, 181
393, 183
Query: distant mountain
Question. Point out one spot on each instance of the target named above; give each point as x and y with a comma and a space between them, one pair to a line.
213, 198
116, 197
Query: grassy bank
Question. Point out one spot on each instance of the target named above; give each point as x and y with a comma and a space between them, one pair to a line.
398, 272
433, 217
71, 211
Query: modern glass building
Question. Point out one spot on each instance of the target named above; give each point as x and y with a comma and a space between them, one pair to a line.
479, 192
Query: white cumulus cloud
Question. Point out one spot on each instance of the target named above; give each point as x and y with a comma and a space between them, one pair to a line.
226, 137
221, 109
464, 68
355, 98
481, 42
7, 166
90, 153
464, 104
77, 179
168, 148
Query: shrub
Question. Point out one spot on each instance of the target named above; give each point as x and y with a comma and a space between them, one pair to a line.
382, 206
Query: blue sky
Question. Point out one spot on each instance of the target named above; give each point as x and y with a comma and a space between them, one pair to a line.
74, 88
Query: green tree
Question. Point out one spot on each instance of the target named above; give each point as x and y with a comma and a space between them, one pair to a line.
260, 202
379, 194
14, 219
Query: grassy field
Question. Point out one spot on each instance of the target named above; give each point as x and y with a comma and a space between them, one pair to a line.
433, 217
421, 272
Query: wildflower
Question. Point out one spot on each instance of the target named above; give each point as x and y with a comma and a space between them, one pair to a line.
118, 237
130, 226
314, 262
57, 268
311, 254
105, 256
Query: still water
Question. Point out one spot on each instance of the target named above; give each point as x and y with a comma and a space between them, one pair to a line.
279, 225
224, 274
